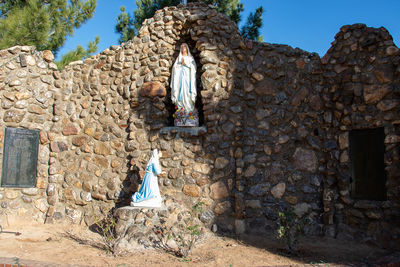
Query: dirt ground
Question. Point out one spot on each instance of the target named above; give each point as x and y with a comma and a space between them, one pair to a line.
46, 245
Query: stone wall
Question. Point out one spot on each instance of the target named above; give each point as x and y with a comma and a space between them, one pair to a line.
361, 71
280, 161
27, 98
274, 134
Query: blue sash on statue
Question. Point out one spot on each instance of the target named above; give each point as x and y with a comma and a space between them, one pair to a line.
145, 191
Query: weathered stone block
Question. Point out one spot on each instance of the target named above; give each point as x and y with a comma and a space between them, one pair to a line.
387, 104
102, 149
384, 73
344, 140
202, 180
74, 215
69, 194
278, 190
305, 160
374, 93
257, 76
70, 130
58, 146
30, 191
253, 204
79, 140
392, 50
222, 207
51, 190
22, 95
175, 173
191, 190
301, 209
291, 200
221, 163
14, 116
153, 89
201, 168
259, 189
99, 196
300, 96
12, 194
250, 171
48, 55
218, 190
373, 214
101, 161
266, 87
43, 137
240, 226
41, 204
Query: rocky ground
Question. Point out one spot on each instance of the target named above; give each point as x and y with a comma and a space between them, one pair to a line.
48, 245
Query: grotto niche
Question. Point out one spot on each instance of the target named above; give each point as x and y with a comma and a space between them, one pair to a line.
176, 115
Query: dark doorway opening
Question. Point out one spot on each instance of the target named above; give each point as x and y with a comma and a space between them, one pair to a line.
367, 164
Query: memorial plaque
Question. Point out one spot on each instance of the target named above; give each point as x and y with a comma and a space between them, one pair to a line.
20, 155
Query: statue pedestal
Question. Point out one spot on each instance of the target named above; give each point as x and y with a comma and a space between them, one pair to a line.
149, 203
184, 118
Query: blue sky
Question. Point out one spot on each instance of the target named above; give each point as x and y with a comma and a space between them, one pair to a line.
308, 24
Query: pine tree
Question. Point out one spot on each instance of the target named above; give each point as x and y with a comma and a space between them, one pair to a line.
28, 25
79, 53
254, 22
43, 23
124, 26
128, 27
231, 8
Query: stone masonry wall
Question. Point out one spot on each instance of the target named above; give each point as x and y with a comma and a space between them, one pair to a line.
274, 134
280, 162
27, 98
361, 71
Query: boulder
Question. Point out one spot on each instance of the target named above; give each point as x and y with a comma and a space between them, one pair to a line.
153, 89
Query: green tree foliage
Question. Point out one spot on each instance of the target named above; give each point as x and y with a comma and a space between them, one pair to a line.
251, 30
6, 6
128, 26
124, 26
231, 8
28, 25
78, 54
43, 23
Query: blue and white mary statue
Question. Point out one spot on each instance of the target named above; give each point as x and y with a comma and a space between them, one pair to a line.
149, 192
183, 88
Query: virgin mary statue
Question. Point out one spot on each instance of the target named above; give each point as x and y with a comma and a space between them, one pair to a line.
149, 193
183, 89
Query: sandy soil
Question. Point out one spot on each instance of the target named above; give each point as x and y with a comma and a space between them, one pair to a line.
47, 245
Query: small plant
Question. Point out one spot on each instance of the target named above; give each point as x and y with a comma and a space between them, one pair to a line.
106, 228
192, 232
16, 261
186, 237
290, 228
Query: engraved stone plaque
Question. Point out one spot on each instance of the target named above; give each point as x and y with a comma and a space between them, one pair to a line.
20, 155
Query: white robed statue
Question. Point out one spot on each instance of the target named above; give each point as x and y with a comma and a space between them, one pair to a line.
183, 89
149, 192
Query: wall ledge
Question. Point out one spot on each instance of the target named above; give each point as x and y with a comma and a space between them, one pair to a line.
191, 131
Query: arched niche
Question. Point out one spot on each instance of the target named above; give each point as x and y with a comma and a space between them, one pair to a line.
213, 46
199, 86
